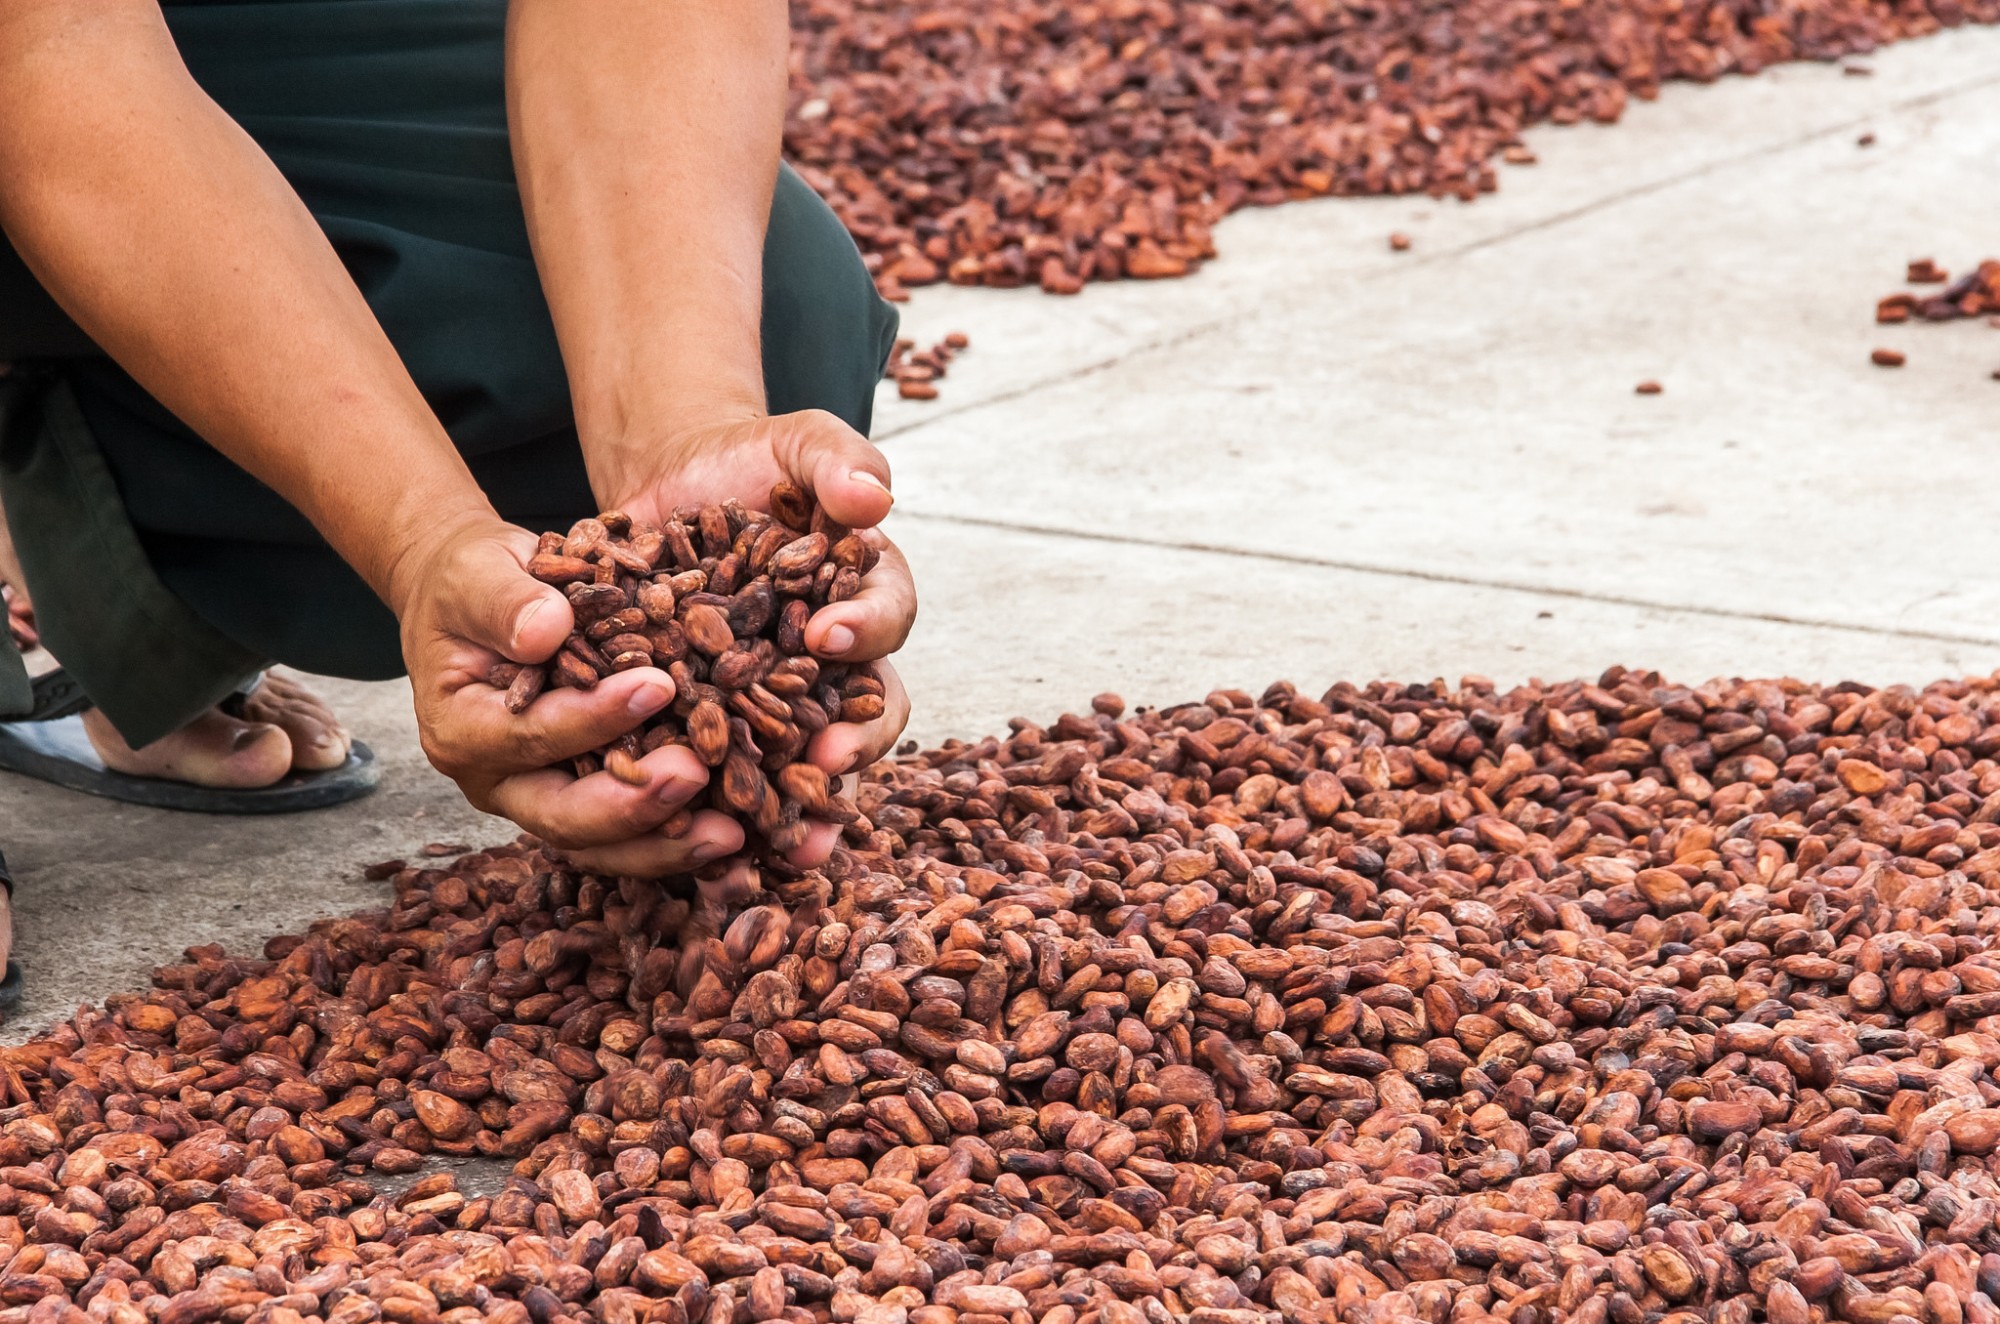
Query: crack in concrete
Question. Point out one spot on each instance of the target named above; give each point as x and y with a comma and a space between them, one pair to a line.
1536, 226
1448, 577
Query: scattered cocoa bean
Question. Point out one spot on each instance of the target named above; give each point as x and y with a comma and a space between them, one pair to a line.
1974, 295
916, 373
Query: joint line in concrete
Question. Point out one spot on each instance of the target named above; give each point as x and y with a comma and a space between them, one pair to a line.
1448, 577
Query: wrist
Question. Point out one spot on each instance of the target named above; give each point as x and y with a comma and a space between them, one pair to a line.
625, 451
423, 546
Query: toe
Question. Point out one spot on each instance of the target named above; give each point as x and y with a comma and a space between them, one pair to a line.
319, 741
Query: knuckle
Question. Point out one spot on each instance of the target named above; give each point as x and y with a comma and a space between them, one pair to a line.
560, 836
443, 758
637, 816
537, 747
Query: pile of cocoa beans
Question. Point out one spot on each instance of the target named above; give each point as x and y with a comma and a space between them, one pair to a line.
1050, 142
718, 596
1615, 1003
1975, 294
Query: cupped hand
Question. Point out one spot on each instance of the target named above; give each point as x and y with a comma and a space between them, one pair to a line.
466, 602
849, 479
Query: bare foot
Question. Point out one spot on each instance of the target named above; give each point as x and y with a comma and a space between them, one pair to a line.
284, 727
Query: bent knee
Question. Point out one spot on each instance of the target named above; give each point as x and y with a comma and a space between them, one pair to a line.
827, 332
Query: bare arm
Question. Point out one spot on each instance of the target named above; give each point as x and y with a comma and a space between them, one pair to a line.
646, 138
171, 238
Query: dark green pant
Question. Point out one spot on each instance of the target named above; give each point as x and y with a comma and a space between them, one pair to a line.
162, 573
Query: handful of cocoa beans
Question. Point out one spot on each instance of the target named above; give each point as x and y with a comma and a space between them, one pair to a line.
718, 597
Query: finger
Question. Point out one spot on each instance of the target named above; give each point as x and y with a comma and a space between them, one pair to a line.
874, 622
494, 602
846, 475
733, 886
821, 838
20, 619
850, 746
576, 812
654, 855
476, 735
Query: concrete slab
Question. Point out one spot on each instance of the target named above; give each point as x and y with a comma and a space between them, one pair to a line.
1321, 461
1471, 416
107, 891
1034, 624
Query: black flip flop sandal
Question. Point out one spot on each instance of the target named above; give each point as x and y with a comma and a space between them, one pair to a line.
10, 987
49, 744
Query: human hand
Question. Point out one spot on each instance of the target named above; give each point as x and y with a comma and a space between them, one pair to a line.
743, 457
20, 619
466, 603
14, 605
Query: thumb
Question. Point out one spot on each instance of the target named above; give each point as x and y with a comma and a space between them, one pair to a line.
500, 606
847, 476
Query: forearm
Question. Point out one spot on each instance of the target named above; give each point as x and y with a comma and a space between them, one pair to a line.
169, 236
646, 137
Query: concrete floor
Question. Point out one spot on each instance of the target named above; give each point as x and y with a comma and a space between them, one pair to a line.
1321, 460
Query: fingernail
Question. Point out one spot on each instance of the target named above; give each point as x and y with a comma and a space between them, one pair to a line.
709, 852
647, 700
526, 617
673, 789
839, 640
863, 476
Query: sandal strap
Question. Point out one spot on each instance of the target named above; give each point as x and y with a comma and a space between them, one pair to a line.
56, 695
232, 703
